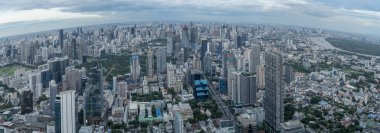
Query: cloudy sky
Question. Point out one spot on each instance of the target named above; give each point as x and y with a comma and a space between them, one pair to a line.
355, 16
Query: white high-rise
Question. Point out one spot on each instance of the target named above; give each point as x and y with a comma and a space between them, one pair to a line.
178, 123
170, 75
68, 112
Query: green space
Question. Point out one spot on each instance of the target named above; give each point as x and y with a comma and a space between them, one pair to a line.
10, 69
355, 46
156, 42
114, 64
211, 105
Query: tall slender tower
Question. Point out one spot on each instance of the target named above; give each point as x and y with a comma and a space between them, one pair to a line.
273, 97
68, 112
150, 62
161, 60
254, 58
135, 67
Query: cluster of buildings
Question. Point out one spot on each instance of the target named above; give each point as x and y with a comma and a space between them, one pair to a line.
247, 71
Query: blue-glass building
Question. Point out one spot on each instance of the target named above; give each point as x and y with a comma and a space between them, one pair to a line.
200, 89
223, 85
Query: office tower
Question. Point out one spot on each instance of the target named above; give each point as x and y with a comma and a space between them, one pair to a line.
196, 62
169, 46
200, 89
178, 123
248, 89
72, 79
194, 37
45, 77
228, 61
222, 85
181, 58
161, 61
150, 62
53, 90
35, 83
122, 88
239, 62
94, 106
135, 67
185, 37
207, 60
27, 102
273, 97
254, 58
289, 74
68, 112
114, 82
57, 114
60, 37
260, 73
204, 47
170, 75
57, 67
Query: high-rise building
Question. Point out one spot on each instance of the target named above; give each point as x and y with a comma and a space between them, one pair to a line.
254, 58
196, 62
185, 37
68, 112
260, 73
289, 74
135, 67
161, 61
194, 37
171, 79
200, 89
53, 90
72, 79
27, 102
180, 57
57, 67
178, 123
207, 60
169, 46
57, 113
274, 86
248, 89
94, 104
60, 37
204, 47
150, 62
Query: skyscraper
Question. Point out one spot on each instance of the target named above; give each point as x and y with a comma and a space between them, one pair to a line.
57, 113
27, 102
68, 112
94, 106
273, 98
161, 61
178, 123
207, 60
135, 67
170, 75
289, 74
60, 37
150, 62
53, 89
169, 46
260, 76
254, 58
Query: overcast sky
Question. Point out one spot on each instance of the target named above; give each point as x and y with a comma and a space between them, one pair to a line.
355, 16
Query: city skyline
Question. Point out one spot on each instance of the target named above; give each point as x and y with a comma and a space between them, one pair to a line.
18, 17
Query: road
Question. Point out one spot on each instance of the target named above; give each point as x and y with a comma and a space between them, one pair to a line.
222, 105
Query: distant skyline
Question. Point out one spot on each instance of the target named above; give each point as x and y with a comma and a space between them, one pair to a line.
353, 16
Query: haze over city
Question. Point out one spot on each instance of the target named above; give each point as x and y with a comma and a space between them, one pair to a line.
23, 16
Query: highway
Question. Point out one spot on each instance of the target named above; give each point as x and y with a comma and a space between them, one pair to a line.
222, 105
